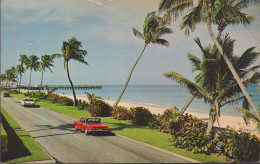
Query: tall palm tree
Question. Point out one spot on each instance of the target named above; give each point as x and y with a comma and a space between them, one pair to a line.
46, 63
71, 51
32, 64
20, 70
23, 62
214, 82
228, 10
150, 35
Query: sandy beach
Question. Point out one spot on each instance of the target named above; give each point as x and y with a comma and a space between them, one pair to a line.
235, 122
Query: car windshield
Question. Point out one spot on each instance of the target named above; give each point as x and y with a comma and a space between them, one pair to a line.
28, 99
94, 120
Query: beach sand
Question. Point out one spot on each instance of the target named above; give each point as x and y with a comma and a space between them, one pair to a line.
235, 122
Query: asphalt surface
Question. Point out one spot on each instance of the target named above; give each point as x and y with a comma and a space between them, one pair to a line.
55, 133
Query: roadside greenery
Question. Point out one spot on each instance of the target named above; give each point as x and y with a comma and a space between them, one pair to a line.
182, 131
20, 147
125, 128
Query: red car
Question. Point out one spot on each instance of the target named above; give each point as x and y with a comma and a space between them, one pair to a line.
90, 124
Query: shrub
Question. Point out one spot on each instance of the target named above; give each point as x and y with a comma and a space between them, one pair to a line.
99, 108
165, 118
82, 105
189, 133
65, 101
39, 95
140, 116
54, 98
13, 91
154, 124
238, 146
120, 113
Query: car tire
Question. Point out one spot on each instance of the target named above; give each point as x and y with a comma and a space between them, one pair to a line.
86, 131
75, 128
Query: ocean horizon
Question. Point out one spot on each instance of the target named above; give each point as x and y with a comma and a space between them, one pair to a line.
165, 96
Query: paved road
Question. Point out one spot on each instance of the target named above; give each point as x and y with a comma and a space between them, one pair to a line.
54, 132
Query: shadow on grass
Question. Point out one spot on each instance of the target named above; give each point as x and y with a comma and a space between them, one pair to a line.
16, 148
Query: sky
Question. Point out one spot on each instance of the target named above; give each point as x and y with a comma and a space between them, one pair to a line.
104, 27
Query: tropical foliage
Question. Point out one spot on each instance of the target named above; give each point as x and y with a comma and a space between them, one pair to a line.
214, 82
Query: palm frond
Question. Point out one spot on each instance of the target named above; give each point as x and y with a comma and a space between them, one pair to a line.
246, 59
192, 19
193, 88
249, 114
194, 61
138, 33
163, 31
161, 42
81, 61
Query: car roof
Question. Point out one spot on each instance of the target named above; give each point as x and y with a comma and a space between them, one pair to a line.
90, 117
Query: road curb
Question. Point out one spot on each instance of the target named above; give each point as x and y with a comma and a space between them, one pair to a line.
45, 161
160, 149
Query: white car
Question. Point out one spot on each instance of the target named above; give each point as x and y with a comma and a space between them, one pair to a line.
28, 102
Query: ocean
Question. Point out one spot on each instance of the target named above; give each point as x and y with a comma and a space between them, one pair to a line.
160, 96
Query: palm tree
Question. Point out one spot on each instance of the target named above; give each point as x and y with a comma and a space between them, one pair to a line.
46, 62
23, 62
214, 82
71, 51
32, 64
149, 36
225, 12
10, 76
20, 70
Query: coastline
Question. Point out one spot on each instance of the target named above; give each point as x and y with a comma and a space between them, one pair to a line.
235, 122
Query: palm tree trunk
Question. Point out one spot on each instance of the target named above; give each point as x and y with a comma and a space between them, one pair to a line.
30, 81
129, 77
211, 122
229, 64
72, 87
20, 82
41, 81
187, 104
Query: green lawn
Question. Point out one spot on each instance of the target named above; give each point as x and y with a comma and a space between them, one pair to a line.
21, 147
140, 133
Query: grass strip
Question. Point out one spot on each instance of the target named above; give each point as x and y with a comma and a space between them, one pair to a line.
125, 128
21, 147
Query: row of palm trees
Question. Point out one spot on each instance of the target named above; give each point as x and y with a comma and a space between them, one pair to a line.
219, 12
71, 50
31, 63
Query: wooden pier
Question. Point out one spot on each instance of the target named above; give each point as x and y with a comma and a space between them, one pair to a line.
59, 87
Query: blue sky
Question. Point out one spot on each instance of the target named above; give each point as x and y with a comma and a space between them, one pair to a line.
105, 29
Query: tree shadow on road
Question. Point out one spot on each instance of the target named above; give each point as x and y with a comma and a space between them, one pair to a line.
16, 148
